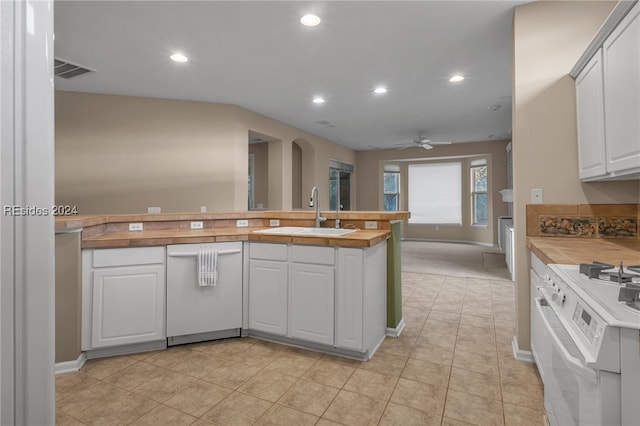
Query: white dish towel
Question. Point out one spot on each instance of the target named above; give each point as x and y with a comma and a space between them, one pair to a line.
207, 267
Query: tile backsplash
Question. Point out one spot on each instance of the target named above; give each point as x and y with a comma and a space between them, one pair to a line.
567, 226
583, 220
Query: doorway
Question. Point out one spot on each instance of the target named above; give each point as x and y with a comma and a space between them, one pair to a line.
340, 185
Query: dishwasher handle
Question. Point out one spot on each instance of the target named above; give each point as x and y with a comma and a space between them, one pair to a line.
193, 253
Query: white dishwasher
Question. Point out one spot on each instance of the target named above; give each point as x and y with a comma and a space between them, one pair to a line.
196, 313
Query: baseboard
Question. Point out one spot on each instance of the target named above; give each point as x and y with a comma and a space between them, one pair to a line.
319, 347
521, 355
397, 331
70, 366
432, 240
127, 349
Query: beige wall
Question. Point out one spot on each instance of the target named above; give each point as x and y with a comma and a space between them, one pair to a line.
68, 297
316, 153
261, 174
370, 166
549, 37
122, 154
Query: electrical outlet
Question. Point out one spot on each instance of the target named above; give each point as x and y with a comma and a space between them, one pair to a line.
153, 209
537, 195
203, 209
196, 225
135, 226
274, 222
370, 224
242, 223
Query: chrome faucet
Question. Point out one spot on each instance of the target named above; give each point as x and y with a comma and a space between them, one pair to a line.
313, 199
338, 207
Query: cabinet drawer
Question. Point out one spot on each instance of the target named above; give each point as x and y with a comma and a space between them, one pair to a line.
266, 251
314, 254
128, 256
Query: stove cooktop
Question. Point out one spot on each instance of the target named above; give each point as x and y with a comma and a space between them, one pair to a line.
602, 295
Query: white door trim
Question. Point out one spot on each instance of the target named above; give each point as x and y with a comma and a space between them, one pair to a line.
27, 180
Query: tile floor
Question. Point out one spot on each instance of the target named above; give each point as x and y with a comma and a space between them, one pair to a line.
451, 366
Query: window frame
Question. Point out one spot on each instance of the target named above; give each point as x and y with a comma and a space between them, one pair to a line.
472, 178
397, 193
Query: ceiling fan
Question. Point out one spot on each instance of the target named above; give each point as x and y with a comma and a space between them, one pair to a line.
422, 142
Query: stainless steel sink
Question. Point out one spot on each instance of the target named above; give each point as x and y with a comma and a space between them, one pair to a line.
299, 230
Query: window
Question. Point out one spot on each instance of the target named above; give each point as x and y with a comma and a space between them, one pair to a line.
391, 188
479, 192
435, 193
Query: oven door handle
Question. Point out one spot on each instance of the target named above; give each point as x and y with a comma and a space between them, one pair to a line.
574, 364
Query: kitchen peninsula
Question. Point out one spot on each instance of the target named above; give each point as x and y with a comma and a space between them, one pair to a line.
358, 272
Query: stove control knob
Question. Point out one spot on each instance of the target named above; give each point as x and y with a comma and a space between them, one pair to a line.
562, 297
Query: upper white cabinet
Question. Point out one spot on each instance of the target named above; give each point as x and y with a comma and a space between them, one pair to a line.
622, 95
592, 161
123, 296
608, 106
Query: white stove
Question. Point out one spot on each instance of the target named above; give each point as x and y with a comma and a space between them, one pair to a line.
586, 342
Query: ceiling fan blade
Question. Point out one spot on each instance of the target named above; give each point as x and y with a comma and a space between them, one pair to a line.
426, 146
440, 143
405, 147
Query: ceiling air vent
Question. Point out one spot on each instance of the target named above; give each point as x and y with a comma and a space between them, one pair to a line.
68, 70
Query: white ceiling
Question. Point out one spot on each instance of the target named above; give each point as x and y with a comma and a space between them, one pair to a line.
257, 55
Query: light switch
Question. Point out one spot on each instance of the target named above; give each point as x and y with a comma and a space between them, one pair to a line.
196, 225
154, 209
274, 222
242, 223
370, 224
203, 209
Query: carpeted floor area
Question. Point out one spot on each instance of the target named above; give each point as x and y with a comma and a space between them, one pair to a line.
453, 259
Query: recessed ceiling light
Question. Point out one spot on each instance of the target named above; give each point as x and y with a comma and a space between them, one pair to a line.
178, 57
380, 90
456, 78
318, 100
310, 20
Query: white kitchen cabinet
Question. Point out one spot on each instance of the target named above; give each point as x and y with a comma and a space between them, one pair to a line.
268, 282
361, 298
349, 299
608, 106
622, 95
592, 161
336, 297
123, 296
311, 302
509, 254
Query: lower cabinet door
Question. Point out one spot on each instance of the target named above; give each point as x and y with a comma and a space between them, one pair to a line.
128, 305
349, 299
311, 303
268, 296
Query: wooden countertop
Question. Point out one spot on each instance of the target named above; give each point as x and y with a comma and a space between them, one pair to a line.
80, 221
584, 250
361, 238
